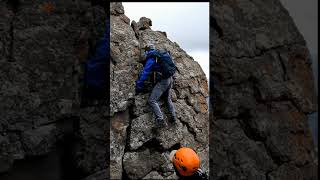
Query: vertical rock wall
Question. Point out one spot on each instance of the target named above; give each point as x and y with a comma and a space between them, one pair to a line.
136, 150
43, 45
262, 93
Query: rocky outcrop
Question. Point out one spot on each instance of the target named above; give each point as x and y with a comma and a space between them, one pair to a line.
137, 149
262, 91
43, 45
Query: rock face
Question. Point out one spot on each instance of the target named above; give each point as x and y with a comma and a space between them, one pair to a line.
137, 150
43, 45
262, 92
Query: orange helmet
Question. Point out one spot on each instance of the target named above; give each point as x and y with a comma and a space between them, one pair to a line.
186, 161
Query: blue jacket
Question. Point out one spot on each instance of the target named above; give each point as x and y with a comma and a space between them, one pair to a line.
150, 66
96, 67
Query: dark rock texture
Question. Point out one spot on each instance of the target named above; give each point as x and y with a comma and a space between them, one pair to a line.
262, 93
138, 151
43, 45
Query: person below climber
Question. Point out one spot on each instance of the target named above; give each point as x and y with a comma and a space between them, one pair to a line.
162, 64
186, 164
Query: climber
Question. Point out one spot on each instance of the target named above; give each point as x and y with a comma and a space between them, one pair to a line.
95, 76
186, 164
160, 62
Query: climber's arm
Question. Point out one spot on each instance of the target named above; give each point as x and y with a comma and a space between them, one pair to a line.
102, 49
145, 73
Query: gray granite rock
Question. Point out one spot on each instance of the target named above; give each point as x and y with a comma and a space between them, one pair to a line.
43, 45
143, 144
262, 92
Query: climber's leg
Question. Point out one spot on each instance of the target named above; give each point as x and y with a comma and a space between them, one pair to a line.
157, 91
167, 96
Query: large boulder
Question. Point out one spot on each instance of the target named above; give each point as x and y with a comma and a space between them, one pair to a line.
262, 92
43, 47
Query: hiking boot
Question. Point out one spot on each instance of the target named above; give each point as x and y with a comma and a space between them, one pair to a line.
161, 123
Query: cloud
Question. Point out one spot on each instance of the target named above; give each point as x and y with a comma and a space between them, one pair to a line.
202, 57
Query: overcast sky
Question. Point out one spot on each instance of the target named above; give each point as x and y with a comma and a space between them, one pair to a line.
185, 23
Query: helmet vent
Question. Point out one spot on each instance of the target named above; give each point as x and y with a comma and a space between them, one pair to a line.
183, 168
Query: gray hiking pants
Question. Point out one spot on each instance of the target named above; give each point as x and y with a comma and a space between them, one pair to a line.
162, 88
